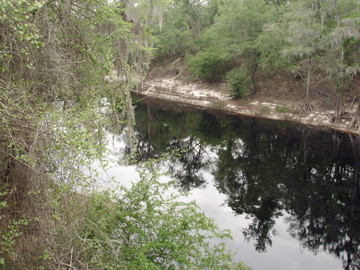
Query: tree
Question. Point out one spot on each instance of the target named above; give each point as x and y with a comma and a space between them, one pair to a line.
184, 22
240, 82
235, 30
210, 65
338, 65
54, 58
304, 40
271, 43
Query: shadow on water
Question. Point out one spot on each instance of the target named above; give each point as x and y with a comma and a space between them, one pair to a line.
265, 169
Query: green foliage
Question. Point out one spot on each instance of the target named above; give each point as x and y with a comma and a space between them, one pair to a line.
283, 109
222, 31
145, 226
16, 14
265, 110
176, 37
270, 44
351, 51
239, 81
273, 34
230, 26
184, 22
54, 58
209, 65
8, 238
10, 232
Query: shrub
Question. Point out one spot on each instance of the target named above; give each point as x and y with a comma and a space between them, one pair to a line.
283, 109
210, 66
265, 110
148, 227
239, 81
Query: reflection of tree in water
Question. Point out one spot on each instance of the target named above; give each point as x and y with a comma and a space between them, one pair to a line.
177, 135
332, 217
253, 185
264, 176
186, 164
310, 175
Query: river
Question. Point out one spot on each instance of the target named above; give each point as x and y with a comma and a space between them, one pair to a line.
289, 193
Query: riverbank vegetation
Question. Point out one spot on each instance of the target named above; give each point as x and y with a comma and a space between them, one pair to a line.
240, 42
58, 62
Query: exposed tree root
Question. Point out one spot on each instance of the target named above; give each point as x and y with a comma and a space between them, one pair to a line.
339, 109
306, 107
355, 123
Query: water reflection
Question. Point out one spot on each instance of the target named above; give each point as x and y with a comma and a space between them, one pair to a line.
265, 170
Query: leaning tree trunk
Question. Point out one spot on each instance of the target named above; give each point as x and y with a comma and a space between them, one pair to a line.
356, 118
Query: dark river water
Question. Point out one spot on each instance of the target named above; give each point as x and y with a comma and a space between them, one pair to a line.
290, 193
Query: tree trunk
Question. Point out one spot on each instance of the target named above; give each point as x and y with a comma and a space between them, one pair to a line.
130, 117
253, 73
338, 108
276, 4
307, 105
149, 126
337, 16
254, 65
355, 120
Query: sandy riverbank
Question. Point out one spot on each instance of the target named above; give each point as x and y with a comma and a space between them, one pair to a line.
216, 97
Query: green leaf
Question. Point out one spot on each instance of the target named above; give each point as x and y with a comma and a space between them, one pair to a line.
4, 204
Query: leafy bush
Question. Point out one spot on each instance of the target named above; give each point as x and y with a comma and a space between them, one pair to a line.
239, 81
149, 228
145, 226
209, 65
142, 227
283, 109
